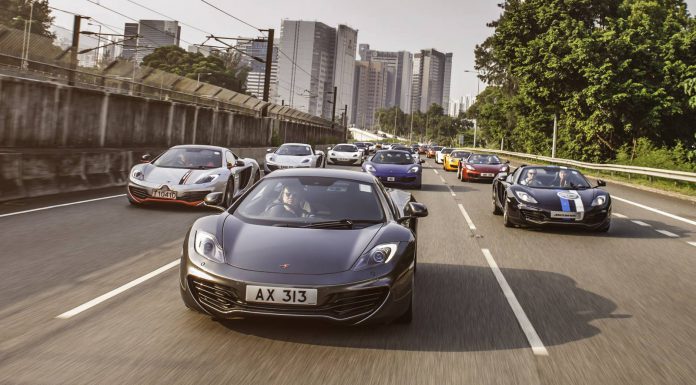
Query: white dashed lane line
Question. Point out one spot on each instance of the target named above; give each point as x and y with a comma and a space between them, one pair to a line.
435, 171
689, 221
61, 205
619, 215
451, 191
692, 243
442, 179
467, 217
640, 223
667, 233
537, 346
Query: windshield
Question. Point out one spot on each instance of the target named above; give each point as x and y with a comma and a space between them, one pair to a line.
198, 158
301, 201
392, 157
345, 148
435, 148
484, 159
294, 149
459, 154
446, 150
553, 177
361, 145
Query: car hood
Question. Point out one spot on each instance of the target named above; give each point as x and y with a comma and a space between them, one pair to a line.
289, 160
572, 200
305, 251
488, 167
172, 176
344, 154
392, 168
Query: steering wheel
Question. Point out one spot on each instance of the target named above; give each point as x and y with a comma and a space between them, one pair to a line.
303, 211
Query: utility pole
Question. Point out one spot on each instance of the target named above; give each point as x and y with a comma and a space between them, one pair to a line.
396, 113
25, 62
333, 107
410, 134
73, 48
269, 62
553, 149
345, 122
475, 127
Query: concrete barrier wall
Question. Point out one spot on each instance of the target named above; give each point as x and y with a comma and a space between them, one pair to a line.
55, 138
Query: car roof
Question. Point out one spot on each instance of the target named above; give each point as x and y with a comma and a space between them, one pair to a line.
551, 167
323, 172
294, 144
201, 146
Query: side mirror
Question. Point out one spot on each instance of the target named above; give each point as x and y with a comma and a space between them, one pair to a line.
239, 163
502, 176
214, 200
328, 148
507, 161
421, 161
145, 158
269, 150
418, 210
601, 183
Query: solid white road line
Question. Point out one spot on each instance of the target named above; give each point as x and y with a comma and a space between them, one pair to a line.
117, 291
692, 243
435, 171
640, 223
467, 217
619, 215
442, 179
451, 191
667, 233
689, 221
531, 334
61, 205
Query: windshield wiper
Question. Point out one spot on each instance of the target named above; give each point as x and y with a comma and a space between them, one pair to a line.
341, 223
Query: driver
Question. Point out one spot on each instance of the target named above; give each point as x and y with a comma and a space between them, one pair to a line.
530, 178
566, 179
291, 203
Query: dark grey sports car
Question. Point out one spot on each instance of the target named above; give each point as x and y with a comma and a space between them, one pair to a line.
314, 243
551, 195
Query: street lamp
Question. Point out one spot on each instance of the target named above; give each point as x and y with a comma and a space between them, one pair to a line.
26, 38
198, 79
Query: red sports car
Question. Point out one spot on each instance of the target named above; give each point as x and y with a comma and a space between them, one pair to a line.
481, 167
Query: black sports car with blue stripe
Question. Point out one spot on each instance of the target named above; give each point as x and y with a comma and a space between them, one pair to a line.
551, 195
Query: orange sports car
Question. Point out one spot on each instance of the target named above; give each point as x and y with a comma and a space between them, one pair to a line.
432, 150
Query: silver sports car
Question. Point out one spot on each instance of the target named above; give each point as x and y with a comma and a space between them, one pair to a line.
186, 174
293, 155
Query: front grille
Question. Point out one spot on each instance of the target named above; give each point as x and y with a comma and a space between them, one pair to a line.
405, 179
273, 167
193, 196
535, 216
223, 299
138, 192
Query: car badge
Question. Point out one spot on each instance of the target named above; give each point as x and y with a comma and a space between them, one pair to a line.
285, 265
567, 195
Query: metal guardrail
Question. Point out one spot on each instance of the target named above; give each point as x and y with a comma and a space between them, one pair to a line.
683, 176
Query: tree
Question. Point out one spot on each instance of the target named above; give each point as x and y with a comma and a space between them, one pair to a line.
225, 73
20, 9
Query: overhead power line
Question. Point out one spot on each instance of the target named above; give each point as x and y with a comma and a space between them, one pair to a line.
232, 16
168, 17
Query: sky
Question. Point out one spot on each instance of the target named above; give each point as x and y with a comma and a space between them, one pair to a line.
455, 26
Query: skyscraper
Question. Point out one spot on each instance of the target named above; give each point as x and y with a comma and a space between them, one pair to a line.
369, 92
152, 34
257, 70
344, 68
130, 32
399, 75
431, 80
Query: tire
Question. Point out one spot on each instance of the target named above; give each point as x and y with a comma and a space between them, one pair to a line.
407, 317
496, 209
229, 192
132, 201
257, 176
323, 164
459, 173
506, 218
604, 228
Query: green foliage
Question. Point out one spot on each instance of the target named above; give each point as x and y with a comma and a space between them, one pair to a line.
433, 125
224, 69
20, 9
647, 155
612, 71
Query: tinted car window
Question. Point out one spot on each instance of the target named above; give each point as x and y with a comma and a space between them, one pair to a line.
294, 149
345, 148
392, 157
553, 177
484, 159
200, 158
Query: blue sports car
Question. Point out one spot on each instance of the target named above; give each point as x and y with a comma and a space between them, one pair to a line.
396, 168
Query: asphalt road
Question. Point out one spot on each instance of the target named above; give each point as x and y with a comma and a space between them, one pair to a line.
615, 308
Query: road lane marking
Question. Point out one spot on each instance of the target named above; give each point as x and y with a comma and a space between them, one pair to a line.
641, 223
619, 215
692, 243
667, 233
527, 327
689, 221
435, 171
117, 291
442, 179
451, 191
61, 205
467, 217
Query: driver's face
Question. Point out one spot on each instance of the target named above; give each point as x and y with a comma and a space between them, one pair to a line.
563, 174
290, 197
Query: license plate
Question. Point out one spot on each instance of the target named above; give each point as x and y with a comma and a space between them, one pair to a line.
164, 194
390, 179
487, 174
344, 159
565, 215
283, 295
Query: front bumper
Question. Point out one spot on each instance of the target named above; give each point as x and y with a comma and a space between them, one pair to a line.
268, 168
344, 161
189, 195
524, 214
347, 297
450, 166
476, 175
400, 180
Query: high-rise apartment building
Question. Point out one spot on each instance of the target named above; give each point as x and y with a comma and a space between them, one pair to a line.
369, 92
312, 58
152, 34
399, 75
256, 78
431, 80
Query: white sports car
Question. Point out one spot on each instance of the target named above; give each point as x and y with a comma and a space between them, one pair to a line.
293, 155
345, 153
186, 174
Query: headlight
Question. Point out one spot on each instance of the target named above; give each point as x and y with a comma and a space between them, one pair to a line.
207, 246
207, 179
470, 167
414, 169
370, 168
333, 154
306, 160
599, 200
270, 158
379, 255
137, 174
355, 156
504, 169
523, 196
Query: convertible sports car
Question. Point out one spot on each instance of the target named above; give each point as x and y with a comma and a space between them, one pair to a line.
331, 245
481, 167
432, 150
451, 162
292, 155
551, 195
440, 155
186, 174
344, 153
396, 168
